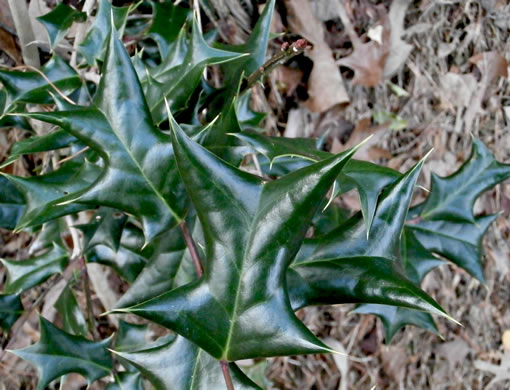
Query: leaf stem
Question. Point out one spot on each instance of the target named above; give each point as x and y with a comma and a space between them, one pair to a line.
192, 247
226, 375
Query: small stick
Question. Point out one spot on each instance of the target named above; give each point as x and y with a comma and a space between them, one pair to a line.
226, 374
192, 247
287, 52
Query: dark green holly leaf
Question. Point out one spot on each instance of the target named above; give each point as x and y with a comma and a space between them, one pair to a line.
70, 312
11, 121
10, 310
248, 119
128, 260
351, 239
459, 242
167, 22
329, 219
131, 337
40, 143
25, 274
44, 194
105, 228
31, 87
176, 81
58, 21
58, 353
49, 234
126, 381
94, 45
452, 198
395, 318
355, 280
180, 365
12, 204
163, 272
335, 268
251, 229
416, 260
287, 154
140, 176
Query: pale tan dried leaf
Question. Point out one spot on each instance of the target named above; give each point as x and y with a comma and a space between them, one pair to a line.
457, 90
399, 49
506, 339
325, 85
341, 362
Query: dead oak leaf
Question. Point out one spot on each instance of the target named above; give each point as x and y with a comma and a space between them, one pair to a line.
379, 58
325, 85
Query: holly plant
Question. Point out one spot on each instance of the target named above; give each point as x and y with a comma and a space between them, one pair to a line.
217, 232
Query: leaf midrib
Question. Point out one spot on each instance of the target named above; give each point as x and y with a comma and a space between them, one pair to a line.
158, 194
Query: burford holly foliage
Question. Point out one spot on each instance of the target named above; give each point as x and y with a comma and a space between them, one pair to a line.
220, 257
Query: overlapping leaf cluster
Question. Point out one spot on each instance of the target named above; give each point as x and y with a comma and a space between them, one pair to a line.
145, 180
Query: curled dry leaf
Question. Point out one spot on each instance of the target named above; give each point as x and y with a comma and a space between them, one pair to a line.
325, 86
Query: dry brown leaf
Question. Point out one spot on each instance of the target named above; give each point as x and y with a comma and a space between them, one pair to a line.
492, 65
325, 85
385, 53
287, 79
367, 59
8, 45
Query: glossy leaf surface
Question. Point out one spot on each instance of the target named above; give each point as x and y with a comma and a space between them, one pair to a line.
140, 176
58, 353
287, 154
70, 313
105, 228
457, 241
180, 365
394, 318
58, 21
25, 274
452, 198
128, 260
94, 45
12, 204
44, 194
252, 229
166, 24
31, 87
55, 140
11, 309
176, 79
168, 267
